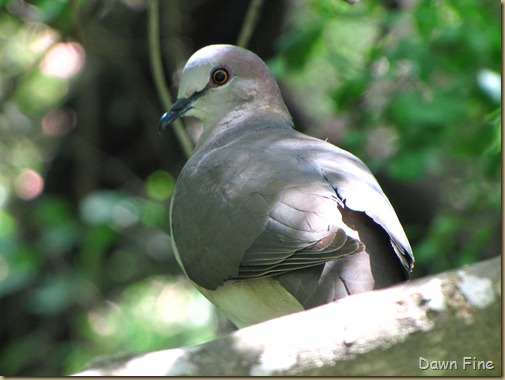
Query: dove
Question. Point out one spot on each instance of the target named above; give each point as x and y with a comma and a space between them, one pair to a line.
267, 221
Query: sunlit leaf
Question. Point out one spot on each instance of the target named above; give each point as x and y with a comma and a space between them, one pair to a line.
160, 185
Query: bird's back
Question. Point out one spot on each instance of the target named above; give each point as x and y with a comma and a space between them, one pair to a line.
261, 200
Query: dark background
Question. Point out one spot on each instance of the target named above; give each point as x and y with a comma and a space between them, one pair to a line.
86, 267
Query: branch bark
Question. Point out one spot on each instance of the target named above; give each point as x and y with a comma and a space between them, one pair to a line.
450, 320
159, 77
250, 21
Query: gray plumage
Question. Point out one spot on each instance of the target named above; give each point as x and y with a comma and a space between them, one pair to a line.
258, 199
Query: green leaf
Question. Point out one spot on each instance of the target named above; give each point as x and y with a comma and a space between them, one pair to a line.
55, 294
409, 166
160, 185
298, 47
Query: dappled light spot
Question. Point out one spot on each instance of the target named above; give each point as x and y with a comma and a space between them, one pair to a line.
29, 184
43, 40
125, 213
4, 268
109, 207
59, 121
96, 207
3, 195
382, 142
64, 60
160, 185
158, 246
105, 322
490, 83
156, 307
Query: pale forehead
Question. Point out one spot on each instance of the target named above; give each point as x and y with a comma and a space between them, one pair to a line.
209, 55
196, 71
223, 54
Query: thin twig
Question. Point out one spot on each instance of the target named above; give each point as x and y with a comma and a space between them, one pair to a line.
159, 77
250, 21
77, 21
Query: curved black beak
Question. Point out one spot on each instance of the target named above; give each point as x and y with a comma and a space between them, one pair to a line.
178, 109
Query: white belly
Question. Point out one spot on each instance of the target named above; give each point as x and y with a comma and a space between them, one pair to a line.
251, 301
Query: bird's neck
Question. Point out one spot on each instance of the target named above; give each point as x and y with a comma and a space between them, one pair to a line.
243, 121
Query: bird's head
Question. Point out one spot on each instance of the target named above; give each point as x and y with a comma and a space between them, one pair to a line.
220, 79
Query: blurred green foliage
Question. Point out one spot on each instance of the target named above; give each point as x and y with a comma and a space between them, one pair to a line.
413, 88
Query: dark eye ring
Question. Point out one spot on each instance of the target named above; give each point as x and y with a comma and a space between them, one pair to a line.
220, 76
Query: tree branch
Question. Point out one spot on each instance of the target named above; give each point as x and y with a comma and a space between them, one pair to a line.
159, 77
452, 319
250, 21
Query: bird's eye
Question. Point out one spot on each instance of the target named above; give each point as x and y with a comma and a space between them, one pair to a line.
220, 76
